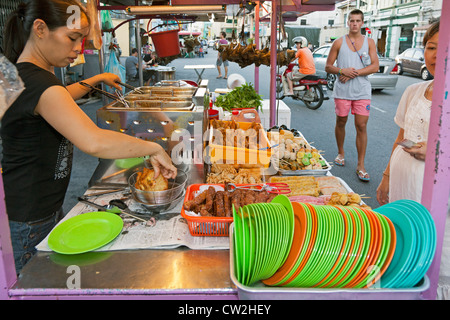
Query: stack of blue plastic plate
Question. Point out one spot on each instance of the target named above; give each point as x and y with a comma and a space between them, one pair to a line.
416, 243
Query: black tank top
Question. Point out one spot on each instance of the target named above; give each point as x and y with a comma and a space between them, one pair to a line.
37, 160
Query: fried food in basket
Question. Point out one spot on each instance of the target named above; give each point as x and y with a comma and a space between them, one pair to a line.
145, 181
212, 203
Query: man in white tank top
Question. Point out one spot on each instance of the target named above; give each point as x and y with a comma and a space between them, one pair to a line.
356, 57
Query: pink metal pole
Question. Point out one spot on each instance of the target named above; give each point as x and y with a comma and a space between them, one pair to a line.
273, 64
7, 267
436, 184
257, 43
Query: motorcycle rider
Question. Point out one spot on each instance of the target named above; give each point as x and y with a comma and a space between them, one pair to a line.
306, 65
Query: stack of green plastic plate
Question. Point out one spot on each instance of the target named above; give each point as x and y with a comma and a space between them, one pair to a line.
332, 246
262, 238
348, 249
416, 245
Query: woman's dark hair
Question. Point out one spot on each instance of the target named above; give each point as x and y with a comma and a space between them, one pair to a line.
20, 22
431, 31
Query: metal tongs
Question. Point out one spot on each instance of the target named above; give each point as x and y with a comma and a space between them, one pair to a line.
137, 90
115, 206
271, 187
120, 98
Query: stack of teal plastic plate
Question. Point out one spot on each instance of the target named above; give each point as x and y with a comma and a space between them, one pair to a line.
416, 243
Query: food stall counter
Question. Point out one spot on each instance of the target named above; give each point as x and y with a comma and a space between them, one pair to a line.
154, 273
151, 273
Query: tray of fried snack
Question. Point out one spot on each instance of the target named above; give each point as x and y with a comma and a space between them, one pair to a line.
235, 173
320, 190
294, 155
208, 208
299, 185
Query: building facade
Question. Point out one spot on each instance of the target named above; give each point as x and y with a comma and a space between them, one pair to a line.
395, 25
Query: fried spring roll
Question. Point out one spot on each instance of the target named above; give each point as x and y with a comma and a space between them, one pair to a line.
227, 204
219, 210
200, 199
210, 195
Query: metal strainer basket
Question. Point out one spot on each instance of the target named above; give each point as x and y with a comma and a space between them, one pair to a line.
176, 187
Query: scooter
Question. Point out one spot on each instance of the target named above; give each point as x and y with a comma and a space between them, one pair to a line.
308, 89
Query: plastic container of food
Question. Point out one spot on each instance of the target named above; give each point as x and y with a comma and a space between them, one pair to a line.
205, 226
237, 155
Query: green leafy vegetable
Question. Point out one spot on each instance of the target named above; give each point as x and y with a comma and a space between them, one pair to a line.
244, 96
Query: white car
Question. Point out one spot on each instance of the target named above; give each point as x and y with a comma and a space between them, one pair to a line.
211, 43
383, 79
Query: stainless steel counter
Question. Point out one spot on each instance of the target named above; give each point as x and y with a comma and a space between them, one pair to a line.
136, 272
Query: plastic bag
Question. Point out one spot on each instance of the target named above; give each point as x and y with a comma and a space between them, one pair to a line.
107, 22
11, 85
114, 66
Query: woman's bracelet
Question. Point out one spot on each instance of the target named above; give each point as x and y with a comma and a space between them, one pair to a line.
340, 72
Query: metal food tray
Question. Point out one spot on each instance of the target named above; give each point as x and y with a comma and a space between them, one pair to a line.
342, 182
166, 90
158, 105
307, 172
259, 291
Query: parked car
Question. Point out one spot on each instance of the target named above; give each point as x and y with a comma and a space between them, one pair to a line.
211, 43
383, 79
412, 61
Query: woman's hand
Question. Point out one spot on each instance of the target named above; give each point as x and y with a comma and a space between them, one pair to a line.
419, 151
111, 80
383, 191
162, 163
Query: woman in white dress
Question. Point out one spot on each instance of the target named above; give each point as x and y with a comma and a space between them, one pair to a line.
403, 177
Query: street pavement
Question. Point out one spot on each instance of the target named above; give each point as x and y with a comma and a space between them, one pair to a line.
316, 125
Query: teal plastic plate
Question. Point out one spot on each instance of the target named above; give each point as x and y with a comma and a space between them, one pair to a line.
405, 248
426, 227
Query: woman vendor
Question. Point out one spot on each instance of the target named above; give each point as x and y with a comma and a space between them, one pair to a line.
42, 125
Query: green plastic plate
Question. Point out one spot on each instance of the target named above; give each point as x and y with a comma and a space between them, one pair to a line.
85, 232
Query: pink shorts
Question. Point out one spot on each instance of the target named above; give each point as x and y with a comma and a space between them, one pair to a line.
360, 107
